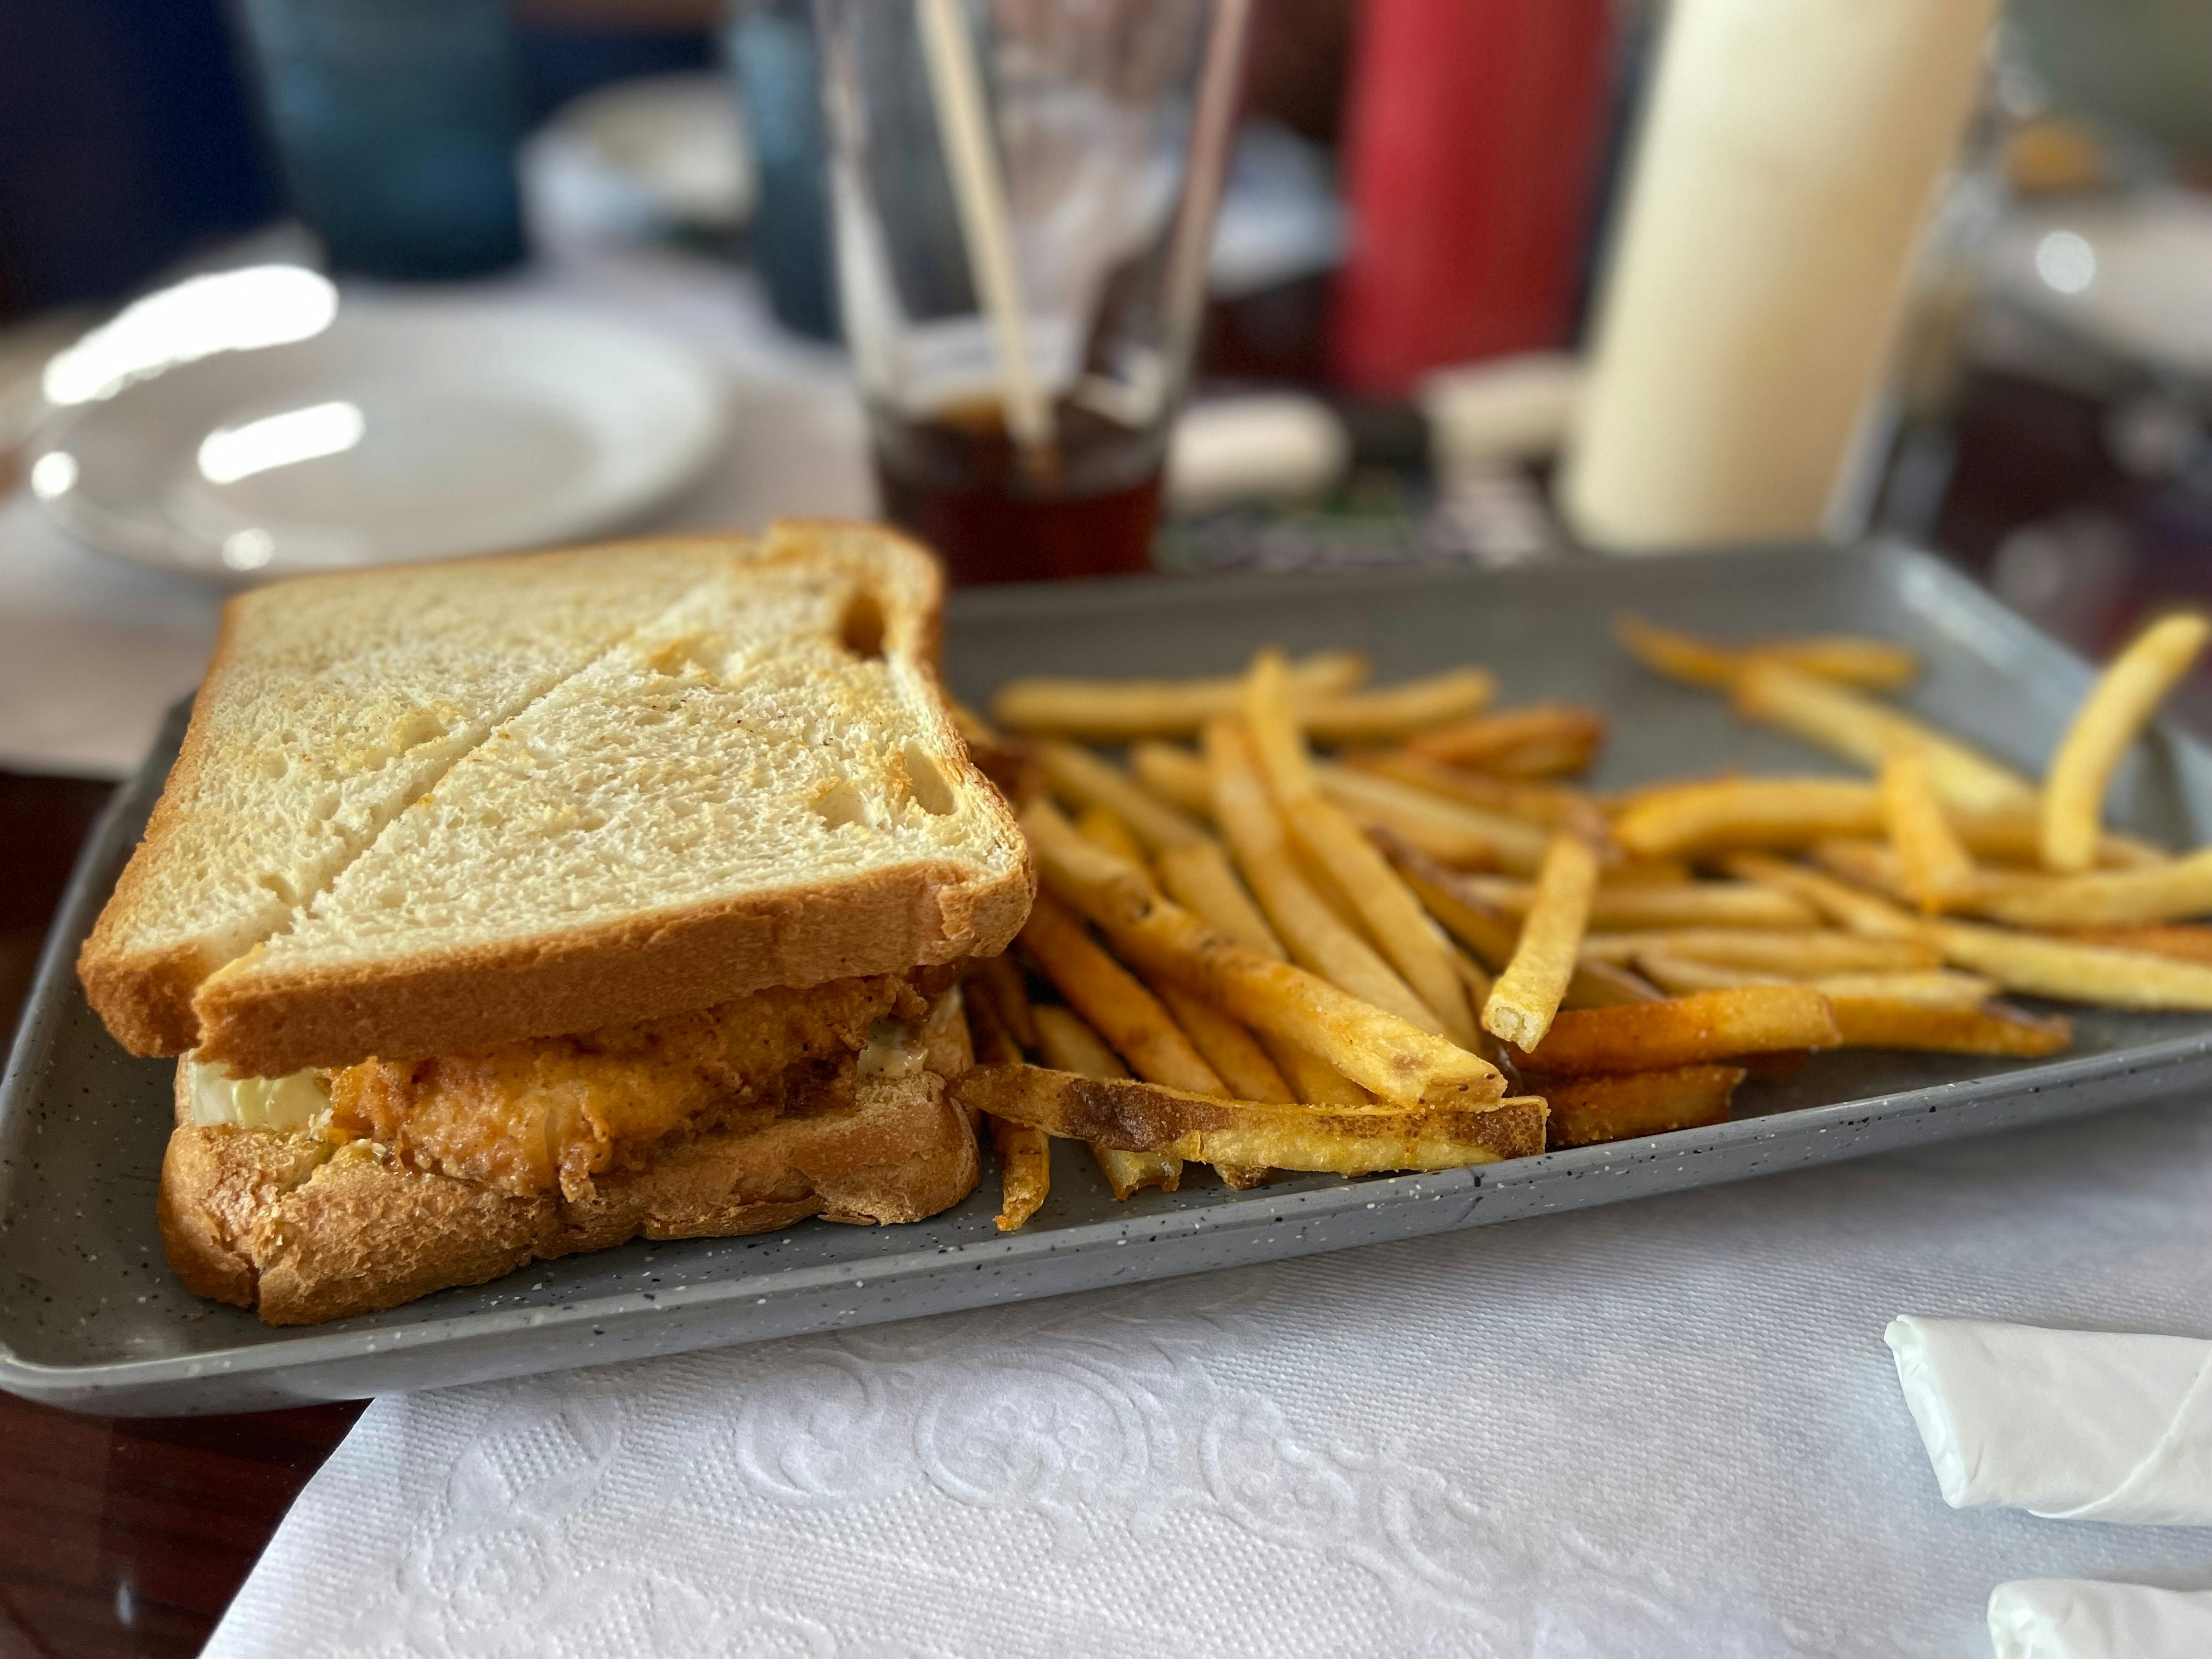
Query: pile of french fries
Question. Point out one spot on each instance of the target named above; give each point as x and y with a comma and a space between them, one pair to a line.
1306, 925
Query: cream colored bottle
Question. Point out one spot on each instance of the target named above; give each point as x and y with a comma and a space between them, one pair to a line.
1790, 155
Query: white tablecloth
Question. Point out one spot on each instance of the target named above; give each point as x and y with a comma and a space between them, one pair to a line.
1658, 1429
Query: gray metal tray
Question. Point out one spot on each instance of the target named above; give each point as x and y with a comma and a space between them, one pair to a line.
90, 1317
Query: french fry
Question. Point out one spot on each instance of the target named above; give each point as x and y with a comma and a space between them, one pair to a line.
1876, 664
1176, 773
1791, 954
2106, 898
1548, 804
1114, 1003
1202, 880
1586, 1110
1698, 819
2126, 694
1451, 830
1313, 1079
1070, 1045
2189, 944
1708, 1025
1318, 940
1391, 916
1397, 1061
1541, 739
1883, 1022
1382, 714
1691, 905
1846, 906
1937, 870
1145, 1117
1121, 711
1681, 976
1849, 723
1227, 1046
1086, 780
1928, 987
997, 981
1607, 985
2064, 971
1099, 824
1527, 994
1024, 1172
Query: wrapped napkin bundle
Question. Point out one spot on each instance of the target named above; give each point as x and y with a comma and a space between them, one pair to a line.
2076, 1425
2083, 1619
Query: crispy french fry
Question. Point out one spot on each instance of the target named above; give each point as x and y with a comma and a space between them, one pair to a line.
1099, 824
1318, 940
1202, 880
1708, 1025
1849, 723
1792, 954
1846, 906
1876, 665
1120, 711
988, 1036
997, 981
1391, 916
1175, 773
1548, 804
1451, 830
1231, 1049
1692, 904
1937, 870
1681, 976
1883, 1022
2067, 972
1070, 1045
1527, 995
1085, 779
1313, 1079
2126, 694
1586, 1110
1701, 819
2189, 944
1115, 1003
1145, 1117
2107, 898
1024, 1172
1397, 1061
1930, 988
1539, 739
1391, 712
1607, 985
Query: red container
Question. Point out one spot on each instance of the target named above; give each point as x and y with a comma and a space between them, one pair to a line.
1472, 136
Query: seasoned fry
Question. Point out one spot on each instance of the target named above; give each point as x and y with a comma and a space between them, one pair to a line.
997, 981
2110, 898
2067, 972
1588, 1110
1680, 975
1691, 905
1527, 996
1548, 804
1855, 725
1844, 905
1882, 1022
1114, 1003
1931, 987
1538, 740
2189, 944
1176, 773
1318, 940
1607, 985
1098, 824
1451, 830
1072, 1045
1086, 780
1396, 711
1793, 955
2109, 720
1120, 711
1937, 870
1391, 916
1144, 1117
1024, 1172
1708, 1025
1876, 665
1313, 1079
1231, 1049
1701, 819
1202, 880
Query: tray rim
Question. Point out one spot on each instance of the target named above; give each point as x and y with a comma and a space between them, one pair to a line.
77, 1386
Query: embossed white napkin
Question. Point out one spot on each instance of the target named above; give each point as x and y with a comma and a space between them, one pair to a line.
2072, 1425
1660, 1429
2084, 1619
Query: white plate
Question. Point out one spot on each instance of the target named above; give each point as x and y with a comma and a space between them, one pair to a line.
405, 429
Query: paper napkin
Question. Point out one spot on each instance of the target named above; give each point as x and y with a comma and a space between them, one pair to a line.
2084, 1619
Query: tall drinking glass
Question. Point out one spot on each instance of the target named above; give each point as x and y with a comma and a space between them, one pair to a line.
1024, 191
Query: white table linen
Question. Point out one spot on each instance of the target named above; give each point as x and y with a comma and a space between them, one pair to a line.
2083, 1619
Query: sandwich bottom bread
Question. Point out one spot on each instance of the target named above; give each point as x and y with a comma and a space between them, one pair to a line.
326, 1193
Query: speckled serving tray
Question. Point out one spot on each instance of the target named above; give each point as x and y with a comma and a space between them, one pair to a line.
90, 1317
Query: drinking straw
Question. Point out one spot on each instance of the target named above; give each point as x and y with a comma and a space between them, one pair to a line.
964, 128
1215, 107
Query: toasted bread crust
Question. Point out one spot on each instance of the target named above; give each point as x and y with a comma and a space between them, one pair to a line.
282, 1224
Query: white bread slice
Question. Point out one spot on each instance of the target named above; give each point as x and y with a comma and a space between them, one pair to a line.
761, 785
332, 704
